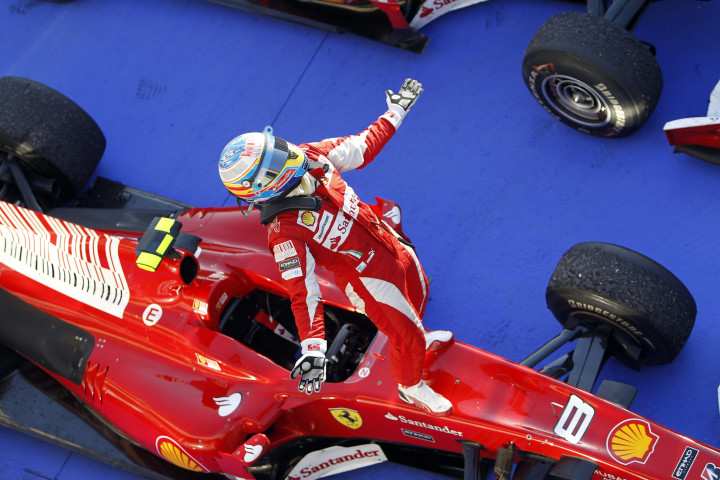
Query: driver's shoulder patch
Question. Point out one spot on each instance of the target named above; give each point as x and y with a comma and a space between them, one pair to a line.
290, 268
284, 250
289, 264
308, 219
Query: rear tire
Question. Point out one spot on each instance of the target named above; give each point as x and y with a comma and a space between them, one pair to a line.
592, 74
603, 283
49, 134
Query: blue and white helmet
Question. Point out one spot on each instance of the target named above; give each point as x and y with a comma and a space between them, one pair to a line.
258, 167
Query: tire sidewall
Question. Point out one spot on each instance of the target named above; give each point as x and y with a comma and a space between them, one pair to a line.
597, 283
541, 67
582, 307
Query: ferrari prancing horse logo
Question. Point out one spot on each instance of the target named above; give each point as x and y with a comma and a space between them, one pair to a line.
349, 418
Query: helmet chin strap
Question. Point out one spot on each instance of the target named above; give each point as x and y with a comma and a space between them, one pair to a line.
245, 211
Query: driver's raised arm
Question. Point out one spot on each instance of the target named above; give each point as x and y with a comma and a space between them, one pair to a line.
356, 151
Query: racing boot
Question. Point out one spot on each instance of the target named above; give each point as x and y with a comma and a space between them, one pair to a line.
437, 339
426, 399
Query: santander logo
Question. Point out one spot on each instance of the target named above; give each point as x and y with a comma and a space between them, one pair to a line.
438, 4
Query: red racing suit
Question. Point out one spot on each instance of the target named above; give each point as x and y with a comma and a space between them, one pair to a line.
381, 276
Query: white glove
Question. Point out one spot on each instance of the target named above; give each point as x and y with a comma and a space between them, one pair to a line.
311, 365
400, 103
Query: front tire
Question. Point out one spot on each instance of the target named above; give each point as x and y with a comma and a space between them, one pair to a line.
592, 74
603, 283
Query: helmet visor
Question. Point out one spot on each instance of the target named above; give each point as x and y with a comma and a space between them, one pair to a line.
273, 162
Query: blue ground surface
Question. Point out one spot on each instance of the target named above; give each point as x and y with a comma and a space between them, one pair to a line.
494, 190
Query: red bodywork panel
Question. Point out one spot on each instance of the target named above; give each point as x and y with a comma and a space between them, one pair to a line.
694, 131
161, 372
698, 136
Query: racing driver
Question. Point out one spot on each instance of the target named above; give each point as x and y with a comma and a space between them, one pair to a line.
314, 218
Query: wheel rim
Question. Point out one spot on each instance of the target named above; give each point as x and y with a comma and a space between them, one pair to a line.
576, 101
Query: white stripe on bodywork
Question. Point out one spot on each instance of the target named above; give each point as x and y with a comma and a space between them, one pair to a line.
429, 11
65, 257
388, 294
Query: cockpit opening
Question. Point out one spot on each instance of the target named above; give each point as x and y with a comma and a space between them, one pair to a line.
264, 322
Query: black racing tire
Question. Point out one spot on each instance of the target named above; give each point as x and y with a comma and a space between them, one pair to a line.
49, 134
592, 74
602, 283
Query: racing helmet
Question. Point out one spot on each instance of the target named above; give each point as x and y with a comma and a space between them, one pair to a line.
259, 167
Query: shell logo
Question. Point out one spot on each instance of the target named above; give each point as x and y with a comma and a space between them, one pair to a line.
308, 219
631, 441
168, 449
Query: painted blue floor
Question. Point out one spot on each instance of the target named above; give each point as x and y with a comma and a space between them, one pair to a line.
494, 190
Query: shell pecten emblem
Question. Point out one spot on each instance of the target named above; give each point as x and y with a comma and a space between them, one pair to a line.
308, 219
169, 449
349, 418
631, 441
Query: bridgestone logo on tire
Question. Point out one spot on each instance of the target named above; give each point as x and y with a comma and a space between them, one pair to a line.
604, 313
619, 112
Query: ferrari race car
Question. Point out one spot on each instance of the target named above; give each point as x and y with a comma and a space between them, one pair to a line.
586, 69
167, 328
698, 136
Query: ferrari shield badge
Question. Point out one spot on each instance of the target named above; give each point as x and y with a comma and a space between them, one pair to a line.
349, 418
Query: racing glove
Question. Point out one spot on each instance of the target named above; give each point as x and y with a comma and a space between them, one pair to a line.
311, 365
400, 103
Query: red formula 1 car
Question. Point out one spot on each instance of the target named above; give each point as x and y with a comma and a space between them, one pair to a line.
171, 331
